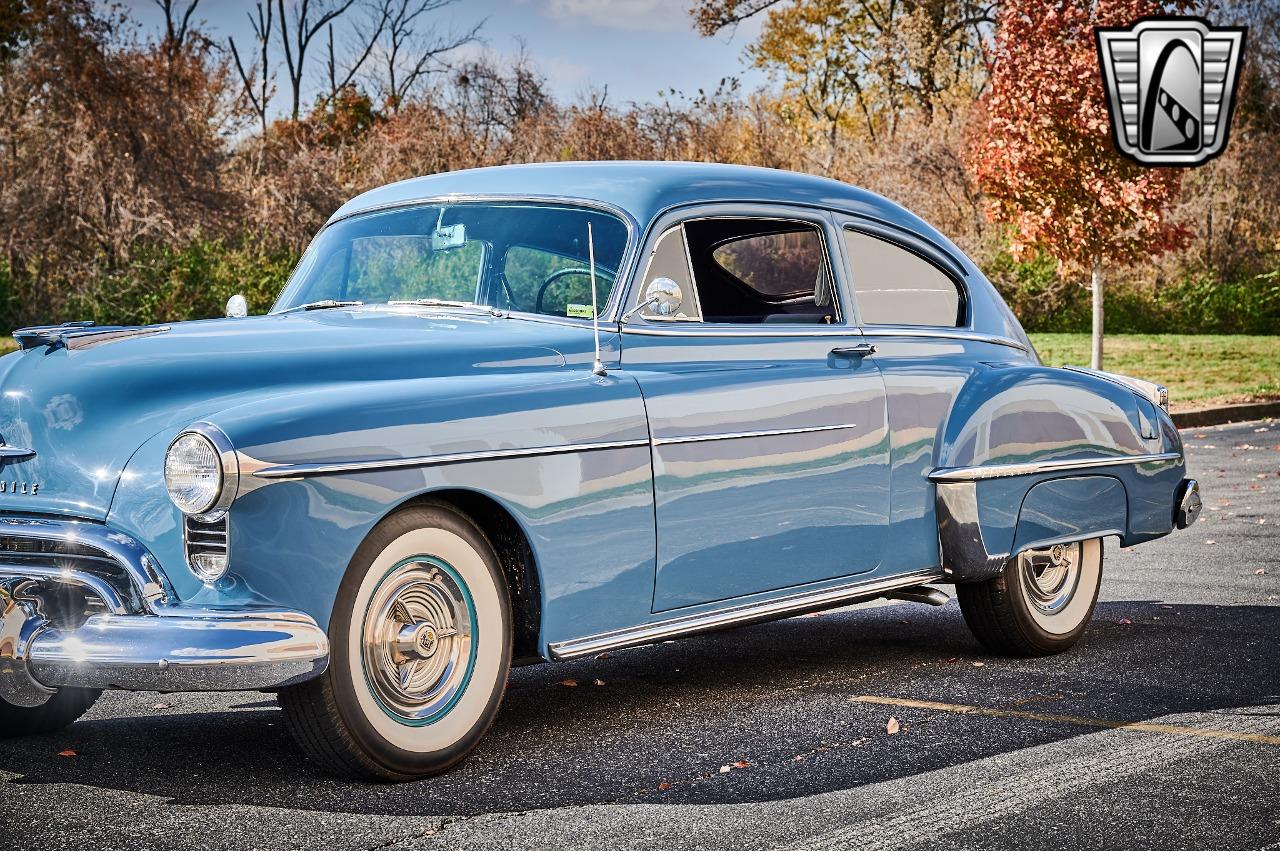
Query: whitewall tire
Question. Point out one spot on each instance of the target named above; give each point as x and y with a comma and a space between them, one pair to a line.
420, 643
1040, 603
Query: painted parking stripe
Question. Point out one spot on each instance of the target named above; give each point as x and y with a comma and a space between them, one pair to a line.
1079, 721
1001, 787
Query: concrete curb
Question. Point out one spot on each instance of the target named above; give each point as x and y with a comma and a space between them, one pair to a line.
1226, 414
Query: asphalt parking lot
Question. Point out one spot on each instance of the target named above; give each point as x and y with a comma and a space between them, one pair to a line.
1161, 729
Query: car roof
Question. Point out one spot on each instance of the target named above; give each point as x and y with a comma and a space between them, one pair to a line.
643, 189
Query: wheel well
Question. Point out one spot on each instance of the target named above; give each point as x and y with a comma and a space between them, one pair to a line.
517, 560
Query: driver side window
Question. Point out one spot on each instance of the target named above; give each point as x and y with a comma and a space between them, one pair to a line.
562, 284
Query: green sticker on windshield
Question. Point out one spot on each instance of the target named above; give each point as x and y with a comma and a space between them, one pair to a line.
579, 311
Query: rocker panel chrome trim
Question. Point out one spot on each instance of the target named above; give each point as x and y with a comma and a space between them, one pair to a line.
998, 471
738, 615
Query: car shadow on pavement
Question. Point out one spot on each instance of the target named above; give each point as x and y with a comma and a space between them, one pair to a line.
664, 722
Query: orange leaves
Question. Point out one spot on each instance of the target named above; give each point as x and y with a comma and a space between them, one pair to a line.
1045, 160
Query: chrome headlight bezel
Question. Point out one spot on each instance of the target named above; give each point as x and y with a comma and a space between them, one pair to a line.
228, 470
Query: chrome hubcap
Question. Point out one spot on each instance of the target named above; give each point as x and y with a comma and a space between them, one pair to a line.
1050, 576
418, 640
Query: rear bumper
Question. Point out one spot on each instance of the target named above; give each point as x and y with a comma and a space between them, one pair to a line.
1189, 505
54, 573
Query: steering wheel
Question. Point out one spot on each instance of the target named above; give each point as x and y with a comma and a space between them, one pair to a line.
551, 279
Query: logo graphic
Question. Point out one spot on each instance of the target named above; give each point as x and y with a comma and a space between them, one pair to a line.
1170, 85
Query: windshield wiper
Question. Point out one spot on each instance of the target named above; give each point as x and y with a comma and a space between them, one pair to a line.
435, 302
323, 304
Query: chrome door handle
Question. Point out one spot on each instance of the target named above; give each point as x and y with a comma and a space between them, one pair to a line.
859, 350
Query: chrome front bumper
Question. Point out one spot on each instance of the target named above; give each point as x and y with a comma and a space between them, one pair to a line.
132, 637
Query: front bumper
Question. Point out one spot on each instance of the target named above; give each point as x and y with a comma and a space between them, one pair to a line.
83, 606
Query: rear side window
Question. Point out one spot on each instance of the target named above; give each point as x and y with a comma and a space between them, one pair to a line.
777, 266
894, 286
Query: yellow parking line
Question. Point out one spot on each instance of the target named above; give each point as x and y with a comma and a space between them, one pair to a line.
1167, 729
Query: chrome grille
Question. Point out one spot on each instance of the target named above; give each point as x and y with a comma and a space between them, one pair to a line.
202, 537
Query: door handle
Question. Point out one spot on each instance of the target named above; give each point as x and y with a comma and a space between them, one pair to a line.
858, 350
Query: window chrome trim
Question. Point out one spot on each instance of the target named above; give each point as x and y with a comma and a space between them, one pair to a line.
737, 435
294, 471
777, 211
740, 615
999, 471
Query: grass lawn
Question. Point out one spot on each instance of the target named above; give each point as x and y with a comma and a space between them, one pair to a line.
1197, 369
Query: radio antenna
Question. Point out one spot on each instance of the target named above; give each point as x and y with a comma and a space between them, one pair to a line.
598, 368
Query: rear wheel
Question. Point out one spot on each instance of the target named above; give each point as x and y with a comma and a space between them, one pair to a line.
1040, 603
420, 644
60, 710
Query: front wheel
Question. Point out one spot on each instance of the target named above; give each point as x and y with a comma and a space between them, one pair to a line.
1039, 604
420, 651
60, 710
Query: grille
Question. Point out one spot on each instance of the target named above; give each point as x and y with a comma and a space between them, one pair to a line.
206, 538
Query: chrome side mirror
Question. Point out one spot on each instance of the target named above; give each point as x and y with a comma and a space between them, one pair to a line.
237, 307
663, 296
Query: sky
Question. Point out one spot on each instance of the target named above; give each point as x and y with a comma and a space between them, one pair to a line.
637, 48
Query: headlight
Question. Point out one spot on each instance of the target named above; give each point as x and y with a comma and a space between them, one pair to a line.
200, 471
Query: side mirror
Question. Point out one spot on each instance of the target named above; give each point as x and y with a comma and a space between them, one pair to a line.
663, 296
237, 307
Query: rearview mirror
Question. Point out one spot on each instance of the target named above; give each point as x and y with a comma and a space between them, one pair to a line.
237, 307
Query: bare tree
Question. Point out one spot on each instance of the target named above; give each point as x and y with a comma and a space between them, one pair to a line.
256, 79
296, 37
177, 26
414, 48
360, 46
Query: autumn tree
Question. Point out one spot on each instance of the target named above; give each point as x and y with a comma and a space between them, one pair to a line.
1044, 156
857, 66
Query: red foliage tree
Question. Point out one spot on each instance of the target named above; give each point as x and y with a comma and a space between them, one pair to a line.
1044, 158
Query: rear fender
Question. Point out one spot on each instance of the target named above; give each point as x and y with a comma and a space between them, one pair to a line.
1034, 455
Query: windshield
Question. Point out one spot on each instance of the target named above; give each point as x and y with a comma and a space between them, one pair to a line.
510, 256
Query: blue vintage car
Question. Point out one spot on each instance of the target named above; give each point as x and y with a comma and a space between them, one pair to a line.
430, 461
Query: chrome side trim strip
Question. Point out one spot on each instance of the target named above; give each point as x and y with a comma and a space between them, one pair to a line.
736, 435
11, 453
942, 333
695, 329
738, 615
999, 471
292, 471
698, 329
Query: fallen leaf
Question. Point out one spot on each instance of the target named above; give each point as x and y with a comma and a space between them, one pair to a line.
162, 706
600, 682
67, 752
979, 664
951, 660
664, 786
740, 764
725, 769
602, 656
1260, 572
892, 727
1125, 622
1211, 541
568, 683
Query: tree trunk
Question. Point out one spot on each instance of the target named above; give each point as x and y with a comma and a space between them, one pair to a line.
1096, 360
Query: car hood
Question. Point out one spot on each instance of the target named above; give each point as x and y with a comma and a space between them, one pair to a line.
85, 409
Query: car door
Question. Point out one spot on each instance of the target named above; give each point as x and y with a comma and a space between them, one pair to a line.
766, 412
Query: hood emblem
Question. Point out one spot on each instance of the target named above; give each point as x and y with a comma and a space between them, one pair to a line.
14, 453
